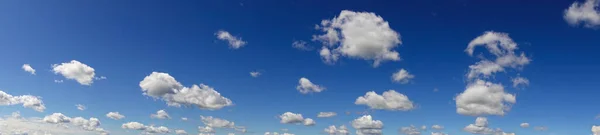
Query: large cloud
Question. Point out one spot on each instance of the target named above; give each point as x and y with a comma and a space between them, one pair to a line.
365, 125
305, 86
484, 98
75, 70
362, 35
389, 100
28, 101
160, 114
145, 129
162, 85
341, 130
115, 115
28, 68
583, 13
35, 126
234, 42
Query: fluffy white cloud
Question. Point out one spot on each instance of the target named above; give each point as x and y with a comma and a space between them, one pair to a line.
332, 130
596, 130
389, 100
327, 56
180, 132
309, 122
80, 107
520, 81
28, 101
161, 114
302, 45
162, 85
365, 125
305, 86
326, 114
586, 13
56, 118
255, 74
524, 125
28, 68
362, 35
115, 115
412, 130
216, 122
291, 118
402, 76
234, 42
75, 70
206, 129
437, 127
37, 126
484, 98
134, 126
145, 129
502, 47
481, 127
91, 124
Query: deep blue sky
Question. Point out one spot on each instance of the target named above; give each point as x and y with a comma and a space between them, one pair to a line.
127, 40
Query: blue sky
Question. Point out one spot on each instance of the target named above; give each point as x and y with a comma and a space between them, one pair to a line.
125, 41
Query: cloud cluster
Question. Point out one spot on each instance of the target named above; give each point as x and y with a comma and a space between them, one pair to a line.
365, 125
91, 124
437, 127
275, 133
164, 86
293, 118
145, 129
402, 76
412, 130
37, 126
216, 122
77, 71
389, 100
341, 130
234, 42
28, 68
180, 132
28, 101
502, 47
160, 114
326, 114
305, 86
481, 127
115, 115
586, 13
361, 35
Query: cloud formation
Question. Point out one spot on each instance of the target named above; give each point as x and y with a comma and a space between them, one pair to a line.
481, 127
326, 114
115, 115
302, 45
75, 70
412, 130
145, 129
37, 126
80, 107
160, 114
28, 68
389, 100
484, 98
341, 130
255, 74
365, 125
586, 14
28, 101
524, 125
216, 122
402, 76
91, 124
234, 42
305, 86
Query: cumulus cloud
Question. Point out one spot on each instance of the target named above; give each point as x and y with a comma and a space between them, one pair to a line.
309, 122
596, 130
206, 129
28, 68
162, 85
583, 13
28, 101
80, 107
255, 74
402, 76
502, 47
160, 114
291, 118
326, 114
75, 70
341, 130
37, 126
524, 125
145, 129
302, 45
216, 122
520, 81
481, 127
484, 98
389, 100
365, 125
91, 124
412, 130
305, 86
115, 115
234, 42
361, 35
180, 132
437, 127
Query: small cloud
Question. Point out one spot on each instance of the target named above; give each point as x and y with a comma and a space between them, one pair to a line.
161, 114
255, 74
302, 45
402, 76
58, 81
234, 42
100, 78
28, 68
80, 107
305, 86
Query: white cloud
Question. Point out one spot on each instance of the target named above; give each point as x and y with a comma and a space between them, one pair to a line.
412, 130
437, 127
216, 122
302, 45
184, 118
255, 74
80, 107
91, 124
481, 127
365, 125
28, 101
133, 125
484, 98
389, 100
75, 70
180, 132
524, 125
145, 129
231, 134
234, 42
540, 128
596, 130
402, 76
502, 47
291, 118
37, 126
305, 86
332, 130
362, 35
161, 114
326, 114
520, 81
115, 115
583, 13
58, 81
327, 56
423, 127
309, 122
162, 85
206, 129
275, 133
438, 133
28, 68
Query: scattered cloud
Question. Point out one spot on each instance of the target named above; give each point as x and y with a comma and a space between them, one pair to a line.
91, 124
305, 86
361, 35
365, 125
302, 45
184, 118
275, 133
520, 81
484, 98
437, 127
160, 114
234, 42
145, 129
37, 126
255, 74
216, 122
75, 70
402, 76
206, 129
28, 68
586, 13
438, 133
326, 114
58, 81
115, 115
481, 127
389, 100
28, 101
502, 47
524, 125
180, 132
80, 107
412, 130
291, 118
341, 130
309, 122
162, 85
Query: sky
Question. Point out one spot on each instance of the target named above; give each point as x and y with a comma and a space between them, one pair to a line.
299, 67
